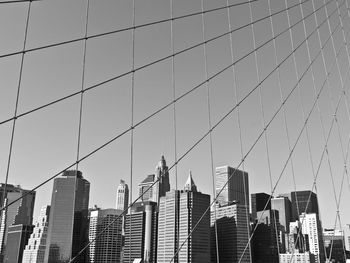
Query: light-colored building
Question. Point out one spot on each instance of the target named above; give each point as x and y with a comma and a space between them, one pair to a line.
234, 183
296, 257
108, 246
179, 213
122, 196
311, 226
34, 251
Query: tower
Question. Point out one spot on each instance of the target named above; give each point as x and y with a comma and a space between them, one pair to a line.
163, 185
67, 233
179, 213
34, 251
107, 246
122, 196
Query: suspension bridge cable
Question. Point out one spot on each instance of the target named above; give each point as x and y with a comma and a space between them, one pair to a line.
18, 1
119, 30
189, 150
261, 134
153, 63
19, 84
179, 98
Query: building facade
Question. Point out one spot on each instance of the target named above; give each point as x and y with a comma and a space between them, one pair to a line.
237, 188
34, 251
335, 245
68, 223
303, 202
259, 201
122, 201
107, 246
18, 213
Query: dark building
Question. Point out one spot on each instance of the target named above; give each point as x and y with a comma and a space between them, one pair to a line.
17, 238
259, 201
141, 226
19, 212
303, 202
68, 224
265, 244
335, 245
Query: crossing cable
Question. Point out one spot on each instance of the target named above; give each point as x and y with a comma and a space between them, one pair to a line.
82, 83
19, 84
329, 133
207, 84
259, 137
318, 109
201, 139
150, 63
179, 98
118, 30
18, 1
263, 122
235, 86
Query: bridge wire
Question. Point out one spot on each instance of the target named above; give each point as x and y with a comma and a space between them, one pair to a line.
170, 103
19, 84
187, 152
279, 83
18, 1
205, 57
263, 122
146, 65
260, 135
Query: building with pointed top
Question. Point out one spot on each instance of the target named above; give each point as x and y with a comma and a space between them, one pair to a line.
179, 213
122, 196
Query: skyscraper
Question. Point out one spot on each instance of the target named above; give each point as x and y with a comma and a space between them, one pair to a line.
18, 213
259, 200
122, 196
179, 213
232, 234
303, 202
145, 188
34, 251
311, 226
141, 226
163, 185
335, 245
67, 233
237, 188
107, 246
283, 205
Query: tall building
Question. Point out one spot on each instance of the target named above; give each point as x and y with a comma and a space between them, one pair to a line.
335, 245
122, 196
179, 213
297, 240
283, 205
34, 251
265, 242
234, 183
18, 213
229, 225
141, 226
311, 226
303, 202
107, 247
17, 238
305, 257
259, 201
68, 224
153, 193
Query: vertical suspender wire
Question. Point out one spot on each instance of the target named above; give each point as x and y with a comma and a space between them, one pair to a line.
318, 107
235, 85
209, 126
279, 82
263, 122
82, 83
173, 83
132, 120
4, 212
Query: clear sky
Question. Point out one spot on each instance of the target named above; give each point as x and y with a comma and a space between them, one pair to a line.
45, 142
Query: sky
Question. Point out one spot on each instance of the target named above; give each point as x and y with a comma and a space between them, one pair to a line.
45, 142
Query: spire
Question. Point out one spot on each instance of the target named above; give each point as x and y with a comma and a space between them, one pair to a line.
190, 185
